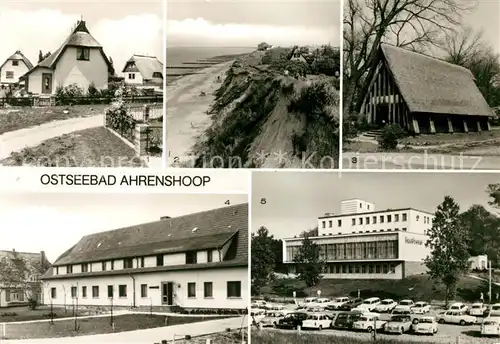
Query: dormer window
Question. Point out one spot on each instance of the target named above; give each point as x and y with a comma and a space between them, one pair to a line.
159, 260
83, 54
209, 256
15, 63
85, 267
128, 263
191, 257
69, 269
157, 75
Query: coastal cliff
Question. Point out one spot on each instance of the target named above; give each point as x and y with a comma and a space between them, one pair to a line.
271, 117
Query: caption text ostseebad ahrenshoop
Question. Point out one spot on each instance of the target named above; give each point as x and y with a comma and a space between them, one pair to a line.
125, 180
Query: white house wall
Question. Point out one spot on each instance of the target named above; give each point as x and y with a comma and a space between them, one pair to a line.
69, 70
219, 278
35, 80
412, 247
138, 80
18, 70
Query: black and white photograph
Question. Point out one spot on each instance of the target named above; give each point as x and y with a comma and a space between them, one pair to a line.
123, 268
421, 84
356, 258
81, 83
253, 84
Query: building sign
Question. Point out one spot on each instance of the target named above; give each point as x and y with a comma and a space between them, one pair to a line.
154, 287
413, 241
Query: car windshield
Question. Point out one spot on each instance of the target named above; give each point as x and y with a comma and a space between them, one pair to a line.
456, 306
490, 323
426, 321
405, 303
363, 319
342, 316
386, 302
398, 318
476, 306
312, 317
339, 299
495, 308
367, 302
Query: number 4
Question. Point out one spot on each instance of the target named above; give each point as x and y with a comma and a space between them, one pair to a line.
227, 202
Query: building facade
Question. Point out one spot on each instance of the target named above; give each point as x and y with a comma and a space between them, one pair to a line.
143, 70
423, 94
20, 277
80, 61
193, 261
13, 68
363, 243
478, 262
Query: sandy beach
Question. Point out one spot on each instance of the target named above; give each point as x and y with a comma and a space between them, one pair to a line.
187, 116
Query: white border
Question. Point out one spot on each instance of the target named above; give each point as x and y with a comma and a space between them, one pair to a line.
249, 318
341, 97
164, 155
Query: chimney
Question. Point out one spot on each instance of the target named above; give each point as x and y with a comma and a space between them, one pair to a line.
13, 250
42, 258
165, 217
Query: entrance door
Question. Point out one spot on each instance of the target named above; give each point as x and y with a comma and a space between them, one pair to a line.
167, 293
46, 83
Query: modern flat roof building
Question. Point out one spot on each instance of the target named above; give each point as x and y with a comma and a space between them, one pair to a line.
194, 261
361, 242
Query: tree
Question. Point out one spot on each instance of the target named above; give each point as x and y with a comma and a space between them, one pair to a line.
16, 272
304, 50
263, 46
483, 234
448, 245
111, 67
40, 56
308, 261
493, 191
277, 249
414, 24
263, 259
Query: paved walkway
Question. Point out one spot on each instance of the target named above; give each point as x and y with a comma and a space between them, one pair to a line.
149, 336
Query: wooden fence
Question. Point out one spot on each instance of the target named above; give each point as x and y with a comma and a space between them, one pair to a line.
40, 101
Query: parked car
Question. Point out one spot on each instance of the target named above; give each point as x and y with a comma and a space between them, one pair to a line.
317, 321
257, 315
458, 307
396, 311
338, 302
368, 304
292, 320
369, 323
272, 318
345, 320
490, 327
385, 306
349, 305
421, 307
314, 309
455, 317
322, 302
495, 310
425, 325
398, 324
478, 309
405, 305
259, 304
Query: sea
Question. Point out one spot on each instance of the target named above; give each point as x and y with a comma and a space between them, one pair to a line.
176, 56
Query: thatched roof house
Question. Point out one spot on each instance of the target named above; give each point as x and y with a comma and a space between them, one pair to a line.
424, 94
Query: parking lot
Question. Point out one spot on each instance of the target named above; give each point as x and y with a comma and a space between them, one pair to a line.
447, 333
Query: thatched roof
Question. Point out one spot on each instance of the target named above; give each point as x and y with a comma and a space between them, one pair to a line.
19, 56
428, 84
79, 37
146, 65
204, 230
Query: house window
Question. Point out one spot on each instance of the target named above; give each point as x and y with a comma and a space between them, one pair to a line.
83, 54
191, 289
9, 75
367, 220
374, 220
339, 223
110, 291
128, 263
53, 293
209, 256
360, 220
191, 257
57, 270
157, 75
73, 292
353, 222
142, 262
122, 290
396, 217
112, 265
144, 290
103, 266
389, 218
405, 217
15, 63
208, 289
95, 291
131, 75
85, 267
159, 260
84, 291
324, 224
330, 224
234, 289
381, 218
69, 269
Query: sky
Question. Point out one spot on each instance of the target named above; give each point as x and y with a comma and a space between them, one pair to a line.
294, 200
237, 23
122, 30
53, 223
486, 18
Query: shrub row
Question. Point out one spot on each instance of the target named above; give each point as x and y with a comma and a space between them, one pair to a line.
208, 311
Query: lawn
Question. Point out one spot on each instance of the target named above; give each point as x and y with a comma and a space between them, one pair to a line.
418, 287
24, 117
12, 314
93, 326
273, 337
95, 147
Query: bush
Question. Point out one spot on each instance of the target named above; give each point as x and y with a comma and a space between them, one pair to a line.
118, 119
33, 304
93, 92
391, 134
68, 95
